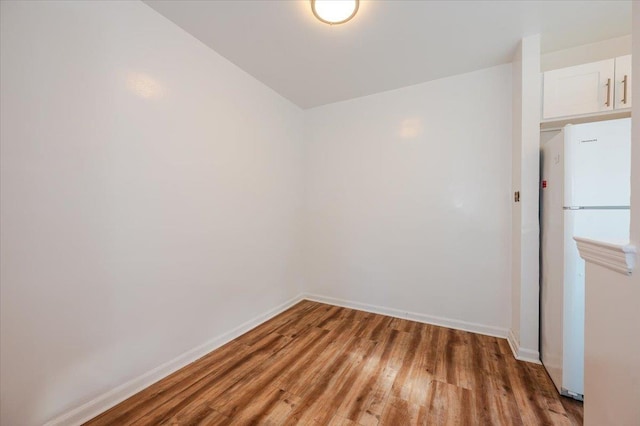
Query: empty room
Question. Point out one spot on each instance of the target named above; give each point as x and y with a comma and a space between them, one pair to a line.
319, 212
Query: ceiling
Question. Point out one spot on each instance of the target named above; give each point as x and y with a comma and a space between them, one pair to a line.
388, 44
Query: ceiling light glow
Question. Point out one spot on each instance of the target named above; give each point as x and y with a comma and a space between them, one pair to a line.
334, 11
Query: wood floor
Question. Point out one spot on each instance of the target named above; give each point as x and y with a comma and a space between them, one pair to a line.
318, 364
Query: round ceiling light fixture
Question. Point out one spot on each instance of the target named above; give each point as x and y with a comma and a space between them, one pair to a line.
334, 11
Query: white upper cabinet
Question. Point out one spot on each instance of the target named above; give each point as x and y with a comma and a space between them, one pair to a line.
623, 82
587, 89
582, 89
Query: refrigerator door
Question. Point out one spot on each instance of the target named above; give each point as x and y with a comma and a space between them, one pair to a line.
608, 225
598, 164
552, 257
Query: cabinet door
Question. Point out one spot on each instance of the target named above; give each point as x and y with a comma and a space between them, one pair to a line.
623, 82
582, 89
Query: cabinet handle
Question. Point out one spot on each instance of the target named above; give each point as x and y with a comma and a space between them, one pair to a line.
624, 90
608, 103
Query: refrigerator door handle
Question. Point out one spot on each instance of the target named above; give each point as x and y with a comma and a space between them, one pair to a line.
597, 208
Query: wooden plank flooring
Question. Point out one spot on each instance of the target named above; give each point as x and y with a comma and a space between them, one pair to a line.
318, 364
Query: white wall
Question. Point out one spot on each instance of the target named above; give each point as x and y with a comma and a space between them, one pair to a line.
516, 207
583, 54
612, 348
150, 199
525, 160
409, 191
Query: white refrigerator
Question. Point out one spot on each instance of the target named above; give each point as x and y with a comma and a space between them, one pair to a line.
585, 192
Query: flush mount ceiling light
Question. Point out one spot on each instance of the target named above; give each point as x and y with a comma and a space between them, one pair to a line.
334, 11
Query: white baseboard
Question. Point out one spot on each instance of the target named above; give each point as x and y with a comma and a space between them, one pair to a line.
109, 399
113, 397
427, 319
522, 354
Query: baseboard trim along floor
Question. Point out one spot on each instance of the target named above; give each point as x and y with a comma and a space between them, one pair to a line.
324, 364
413, 316
113, 397
522, 354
